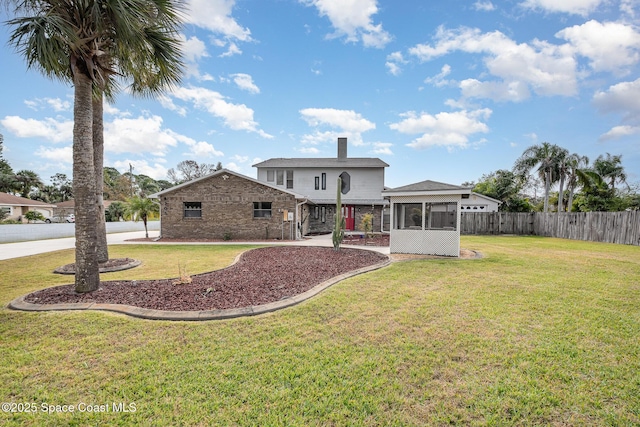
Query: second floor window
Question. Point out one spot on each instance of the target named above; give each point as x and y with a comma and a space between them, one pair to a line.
289, 179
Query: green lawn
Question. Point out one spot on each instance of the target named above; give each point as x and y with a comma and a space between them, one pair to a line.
539, 332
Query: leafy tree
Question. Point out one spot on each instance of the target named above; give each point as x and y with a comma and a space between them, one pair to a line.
544, 158
505, 186
34, 216
188, 170
146, 185
27, 181
116, 211
610, 168
86, 42
142, 208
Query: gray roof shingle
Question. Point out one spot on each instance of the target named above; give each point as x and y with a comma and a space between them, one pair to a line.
427, 185
322, 162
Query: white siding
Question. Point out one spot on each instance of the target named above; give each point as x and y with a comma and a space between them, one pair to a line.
366, 183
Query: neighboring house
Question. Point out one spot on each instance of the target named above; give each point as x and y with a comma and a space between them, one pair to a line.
228, 205
425, 218
16, 206
477, 202
69, 207
316, 180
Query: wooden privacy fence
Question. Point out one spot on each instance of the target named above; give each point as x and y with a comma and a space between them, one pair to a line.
611, 227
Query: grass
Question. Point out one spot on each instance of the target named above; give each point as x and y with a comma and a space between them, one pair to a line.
539, 332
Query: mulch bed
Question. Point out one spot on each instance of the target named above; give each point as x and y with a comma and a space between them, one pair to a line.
260, 276
115, 264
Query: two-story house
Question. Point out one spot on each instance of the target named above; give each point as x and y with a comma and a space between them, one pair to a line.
316, 179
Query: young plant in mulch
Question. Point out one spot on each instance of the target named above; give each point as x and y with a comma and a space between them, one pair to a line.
184, 278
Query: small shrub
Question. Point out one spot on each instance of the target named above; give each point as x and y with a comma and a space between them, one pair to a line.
226, 236
366, 224
34, 216
184, 278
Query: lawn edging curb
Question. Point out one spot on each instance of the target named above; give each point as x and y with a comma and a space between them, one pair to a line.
151, 314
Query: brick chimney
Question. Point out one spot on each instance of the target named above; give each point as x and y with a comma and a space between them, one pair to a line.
342, 148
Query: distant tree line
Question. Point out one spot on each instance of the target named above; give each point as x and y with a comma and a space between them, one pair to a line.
582, 186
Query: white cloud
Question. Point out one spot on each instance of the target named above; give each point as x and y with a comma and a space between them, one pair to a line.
485, 6
234, 116
194, 49
394, 61
138, 135
610, 46
232, 50
621, 98
451, 130
245, 82
349, 124
439, 79
308, 150
56, 104
347, 120
619, 132
499, 91
545, 68
57, 154
168, 103
215, 16
48, 128
576, 7
353, 20
241, 159
382, 148
155, 170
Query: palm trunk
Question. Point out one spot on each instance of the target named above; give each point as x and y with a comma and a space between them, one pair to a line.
98, 161
87, 278
547, 185
561, 195
570, 201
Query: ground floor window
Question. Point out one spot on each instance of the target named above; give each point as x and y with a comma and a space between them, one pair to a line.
192, 209
262, 209
441, 216
323, 214
408, 216
434, 216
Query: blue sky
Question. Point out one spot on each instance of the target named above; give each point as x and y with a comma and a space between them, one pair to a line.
440, 90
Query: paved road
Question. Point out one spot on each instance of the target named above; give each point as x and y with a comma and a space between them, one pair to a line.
20, 249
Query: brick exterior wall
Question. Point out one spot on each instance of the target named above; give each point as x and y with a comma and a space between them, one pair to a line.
227, 210
317, 226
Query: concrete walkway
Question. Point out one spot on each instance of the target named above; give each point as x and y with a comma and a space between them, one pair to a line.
21, 249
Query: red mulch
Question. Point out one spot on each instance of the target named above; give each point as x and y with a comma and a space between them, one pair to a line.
260, 276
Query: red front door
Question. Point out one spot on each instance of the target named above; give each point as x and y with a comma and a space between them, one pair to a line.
349, 213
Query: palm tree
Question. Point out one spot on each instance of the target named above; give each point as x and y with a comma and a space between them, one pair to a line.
546, 158
141, 208
562, 169
87, 42
610, 168
26, 181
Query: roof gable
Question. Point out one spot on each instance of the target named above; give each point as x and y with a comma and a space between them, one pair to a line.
7, 199
222, 172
